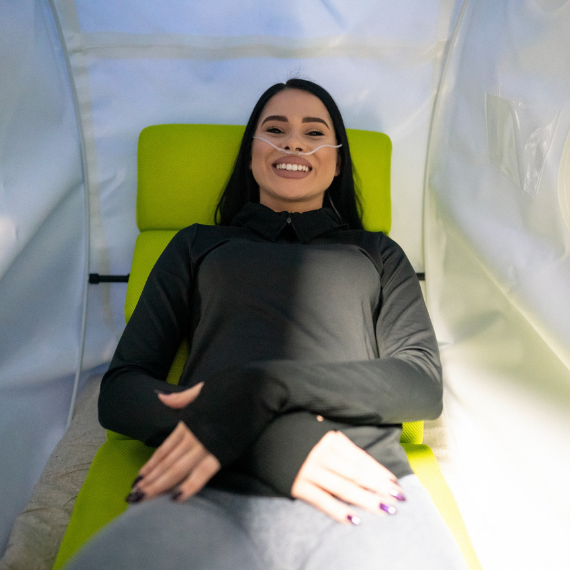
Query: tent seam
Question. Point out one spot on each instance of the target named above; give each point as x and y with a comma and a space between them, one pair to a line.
86, 210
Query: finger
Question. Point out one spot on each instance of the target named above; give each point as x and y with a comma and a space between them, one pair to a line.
140, 489
365, 472
164, 449
178, 471
353, 463
346, 447
325, 502
351, 492
178, 400
198, 477
342, 457
186, 446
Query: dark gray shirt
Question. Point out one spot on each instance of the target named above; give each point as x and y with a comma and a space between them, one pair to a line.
289, 317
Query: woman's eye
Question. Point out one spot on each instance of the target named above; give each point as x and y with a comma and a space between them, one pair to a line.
315, 133
274, 130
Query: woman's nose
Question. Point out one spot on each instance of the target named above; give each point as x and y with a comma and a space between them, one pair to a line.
293, 143
297, 148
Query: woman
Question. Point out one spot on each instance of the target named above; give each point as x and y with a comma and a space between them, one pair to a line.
310, 345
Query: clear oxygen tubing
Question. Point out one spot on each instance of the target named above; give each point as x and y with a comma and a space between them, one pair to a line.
297, 153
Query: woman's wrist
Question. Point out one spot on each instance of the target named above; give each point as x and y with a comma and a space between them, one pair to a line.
278, 453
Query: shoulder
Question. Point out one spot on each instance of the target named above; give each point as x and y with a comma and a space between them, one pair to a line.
199, 239
190, 236
377, 244
386, 253
184, 249
380, 241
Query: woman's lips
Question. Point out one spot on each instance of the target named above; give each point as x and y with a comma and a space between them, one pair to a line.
283, 167
291, 173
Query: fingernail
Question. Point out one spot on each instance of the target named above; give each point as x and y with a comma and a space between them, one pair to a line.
175, 495
137, 480
164, 392
355, 520
135, 496
388, 509
397, 495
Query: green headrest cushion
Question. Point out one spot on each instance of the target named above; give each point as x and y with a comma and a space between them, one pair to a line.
182, 170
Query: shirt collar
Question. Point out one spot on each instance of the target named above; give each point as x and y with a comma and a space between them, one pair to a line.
306, 225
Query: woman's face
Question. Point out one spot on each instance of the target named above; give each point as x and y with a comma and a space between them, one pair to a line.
298, 121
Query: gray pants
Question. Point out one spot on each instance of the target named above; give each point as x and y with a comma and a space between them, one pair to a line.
217, 530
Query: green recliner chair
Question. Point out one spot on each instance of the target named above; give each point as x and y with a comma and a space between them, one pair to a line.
174, 191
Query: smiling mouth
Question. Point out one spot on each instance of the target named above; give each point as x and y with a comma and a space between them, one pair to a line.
292, 167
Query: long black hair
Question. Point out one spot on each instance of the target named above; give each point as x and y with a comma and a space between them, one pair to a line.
242, 187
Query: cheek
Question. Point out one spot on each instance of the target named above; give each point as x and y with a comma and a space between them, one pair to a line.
257, 170
332, 164
257, 157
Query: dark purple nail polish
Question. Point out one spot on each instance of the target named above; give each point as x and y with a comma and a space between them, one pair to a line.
388, 509
137, 480
175, 495
355, 520
135, 496
397, 495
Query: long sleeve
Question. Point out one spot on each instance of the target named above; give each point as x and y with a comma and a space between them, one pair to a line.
248, 386
128, 402
278, 453
404, 384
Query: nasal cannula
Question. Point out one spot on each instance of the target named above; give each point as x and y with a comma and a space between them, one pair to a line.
298, 153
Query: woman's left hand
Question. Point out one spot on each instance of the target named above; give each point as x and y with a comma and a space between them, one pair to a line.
181, 463
338, 475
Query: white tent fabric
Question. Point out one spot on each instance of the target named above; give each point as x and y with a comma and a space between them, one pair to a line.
42, 260
80, 79
498, 272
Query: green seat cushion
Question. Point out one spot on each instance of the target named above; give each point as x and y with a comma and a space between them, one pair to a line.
371, 154
176, 190
102, 497
413, 432
182, 170
425, 466
148, 247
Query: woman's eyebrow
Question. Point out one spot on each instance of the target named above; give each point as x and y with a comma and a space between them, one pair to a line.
284, 119
275, 118
315, 120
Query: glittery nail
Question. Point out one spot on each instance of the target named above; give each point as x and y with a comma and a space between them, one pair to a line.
388, 509
175, 495
135, 496
355, 520
397, 495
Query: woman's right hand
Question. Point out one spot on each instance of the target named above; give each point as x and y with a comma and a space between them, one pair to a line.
338, 475
181, 464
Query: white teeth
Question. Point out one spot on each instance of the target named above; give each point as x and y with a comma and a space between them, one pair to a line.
292, 167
